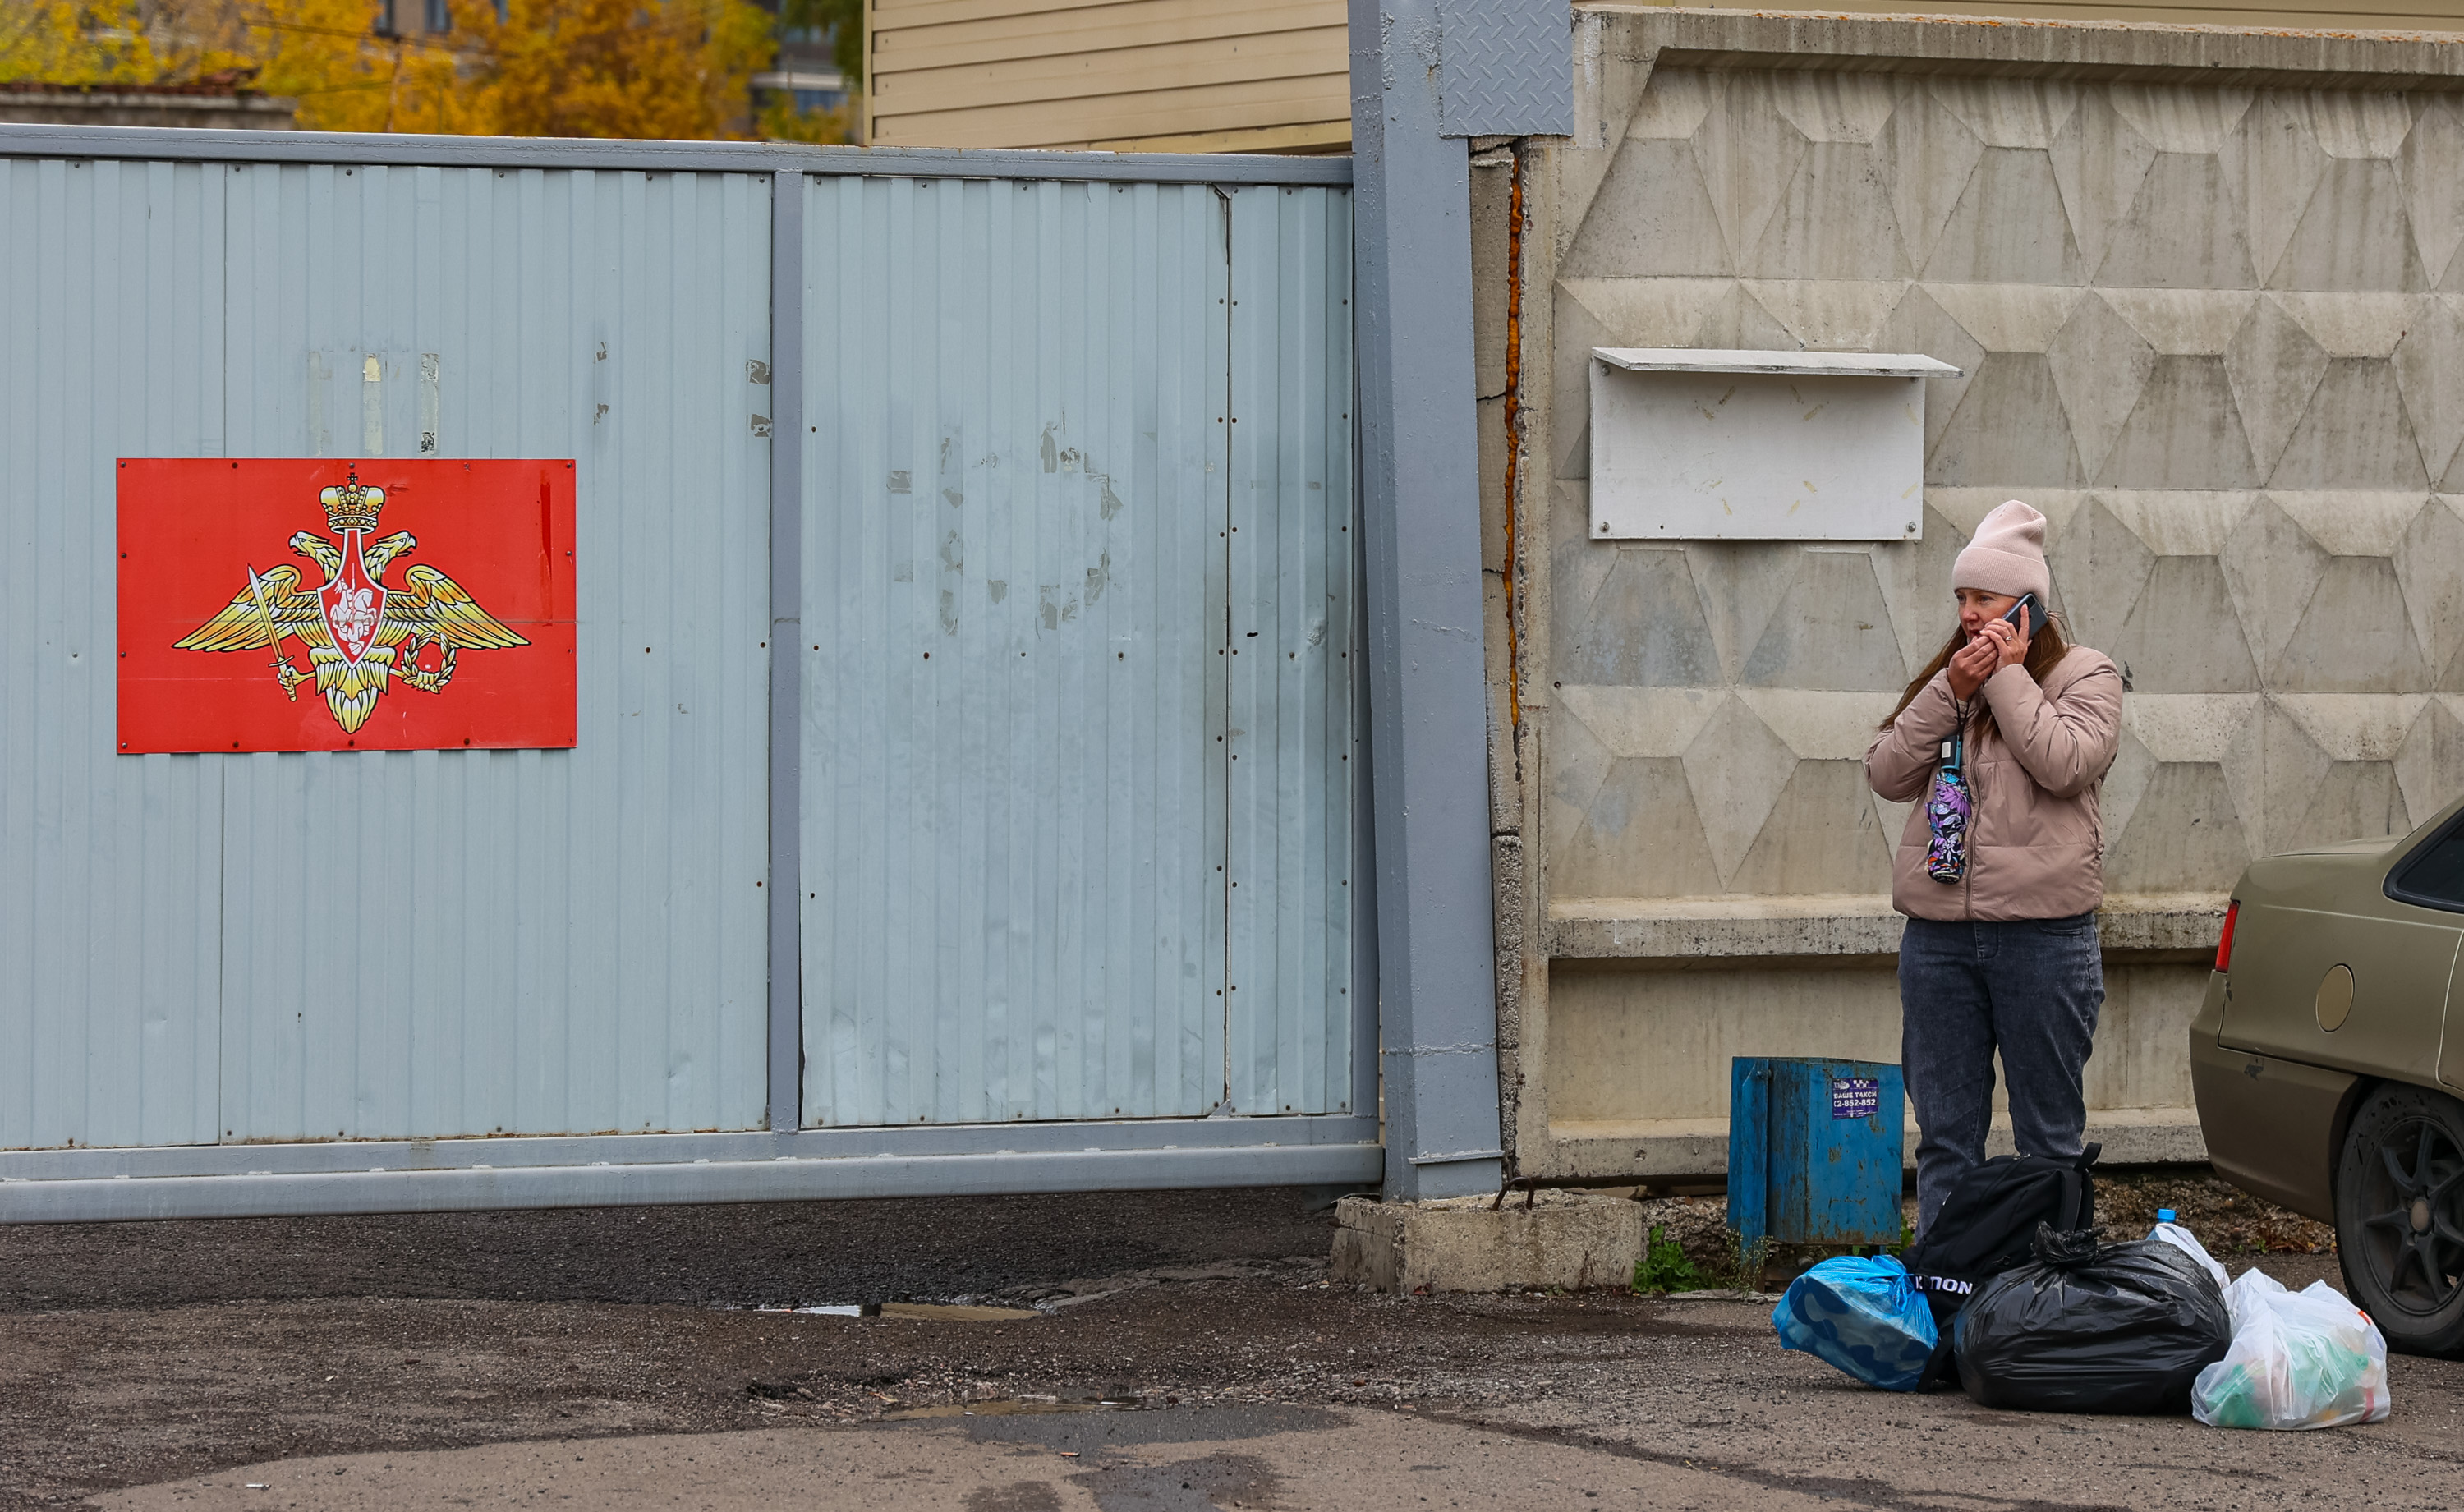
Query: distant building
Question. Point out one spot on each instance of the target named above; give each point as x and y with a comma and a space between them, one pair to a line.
414, 17
805, 74
213, 105
809, 88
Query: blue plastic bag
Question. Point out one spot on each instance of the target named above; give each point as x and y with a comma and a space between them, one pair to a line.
1864, 1316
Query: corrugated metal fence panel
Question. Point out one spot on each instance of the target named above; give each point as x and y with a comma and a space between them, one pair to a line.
1026, 590
1015, 610
1291, 731
111, 321
431, 943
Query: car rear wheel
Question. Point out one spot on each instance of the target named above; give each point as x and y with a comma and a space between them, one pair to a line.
2400, 1216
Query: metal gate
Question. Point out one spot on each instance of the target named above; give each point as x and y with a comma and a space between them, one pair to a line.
965, 795
1079, 609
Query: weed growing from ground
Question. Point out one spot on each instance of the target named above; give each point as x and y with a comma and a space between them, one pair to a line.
1664, 1267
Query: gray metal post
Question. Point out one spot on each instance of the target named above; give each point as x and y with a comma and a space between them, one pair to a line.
1427, 700
787, 666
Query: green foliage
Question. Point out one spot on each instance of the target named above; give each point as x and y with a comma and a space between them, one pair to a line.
1664, 1267
843, 21
782, 122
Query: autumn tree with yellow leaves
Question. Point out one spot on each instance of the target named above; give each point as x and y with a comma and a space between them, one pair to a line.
564, 67
67, 42
618, 68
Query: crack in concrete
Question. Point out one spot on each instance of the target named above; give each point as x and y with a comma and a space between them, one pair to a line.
1862, 1490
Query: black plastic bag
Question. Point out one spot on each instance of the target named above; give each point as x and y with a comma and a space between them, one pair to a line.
2092, 1328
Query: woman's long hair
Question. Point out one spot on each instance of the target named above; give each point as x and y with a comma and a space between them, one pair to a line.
2044, 652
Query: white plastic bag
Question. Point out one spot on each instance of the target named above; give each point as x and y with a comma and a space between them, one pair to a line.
2181, 1239
2299, 1359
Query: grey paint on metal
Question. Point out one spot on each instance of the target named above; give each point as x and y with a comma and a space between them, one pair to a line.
109, 950
283, 946
349, 148
1428, 723
1014, 568
1290, 730
411, 945
1365, 1070
786, 375
1078, 722
436, 943
1507, 68
506, 1151
777, 1179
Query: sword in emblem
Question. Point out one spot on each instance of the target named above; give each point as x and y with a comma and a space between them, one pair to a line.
281, 665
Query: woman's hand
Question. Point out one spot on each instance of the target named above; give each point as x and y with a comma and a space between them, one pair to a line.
1971, 664
1995, 645
2011, 648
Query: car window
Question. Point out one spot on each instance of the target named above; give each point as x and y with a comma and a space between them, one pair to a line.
2436, 875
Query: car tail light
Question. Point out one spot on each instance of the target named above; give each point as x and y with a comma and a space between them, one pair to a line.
2224, 946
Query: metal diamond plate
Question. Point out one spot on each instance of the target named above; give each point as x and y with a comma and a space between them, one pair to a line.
1507, 68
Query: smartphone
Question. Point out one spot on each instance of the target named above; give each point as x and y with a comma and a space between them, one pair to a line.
2026, 617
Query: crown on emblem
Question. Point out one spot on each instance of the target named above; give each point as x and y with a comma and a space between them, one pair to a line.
353, 506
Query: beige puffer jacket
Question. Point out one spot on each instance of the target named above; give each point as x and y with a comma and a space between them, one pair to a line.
2035, 846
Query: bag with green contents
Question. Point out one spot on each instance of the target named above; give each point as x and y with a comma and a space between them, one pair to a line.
2299, 1359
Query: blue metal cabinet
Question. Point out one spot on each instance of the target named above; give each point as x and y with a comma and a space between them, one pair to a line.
1814, 1150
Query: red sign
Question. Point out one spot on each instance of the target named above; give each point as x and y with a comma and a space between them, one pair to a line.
330, 605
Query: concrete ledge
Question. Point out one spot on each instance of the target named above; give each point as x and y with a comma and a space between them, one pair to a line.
1652, 1148
1706, 930
1569, 1241
62, 106
2139, 51
1839, 927
2183, 925
1672, 1148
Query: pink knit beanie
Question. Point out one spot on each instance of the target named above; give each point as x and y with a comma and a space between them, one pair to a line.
2007, 555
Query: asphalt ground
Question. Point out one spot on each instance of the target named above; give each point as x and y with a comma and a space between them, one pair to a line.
616, 1359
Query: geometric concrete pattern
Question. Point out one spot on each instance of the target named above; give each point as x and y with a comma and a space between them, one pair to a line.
2215, 334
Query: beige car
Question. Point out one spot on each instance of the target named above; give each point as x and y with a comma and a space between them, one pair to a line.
2328, 1071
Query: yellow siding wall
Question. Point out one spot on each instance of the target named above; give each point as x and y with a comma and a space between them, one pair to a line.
1138, 75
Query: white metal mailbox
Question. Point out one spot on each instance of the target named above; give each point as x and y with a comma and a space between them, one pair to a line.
1705, 445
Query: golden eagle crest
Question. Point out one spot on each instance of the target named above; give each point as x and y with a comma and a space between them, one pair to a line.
360, 634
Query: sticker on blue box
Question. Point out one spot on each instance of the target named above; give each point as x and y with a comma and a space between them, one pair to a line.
1856, 1096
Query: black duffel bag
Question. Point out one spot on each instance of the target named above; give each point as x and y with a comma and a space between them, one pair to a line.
1987, 1225
2092, 1328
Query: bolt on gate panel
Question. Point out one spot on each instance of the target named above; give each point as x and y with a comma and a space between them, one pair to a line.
1044, 793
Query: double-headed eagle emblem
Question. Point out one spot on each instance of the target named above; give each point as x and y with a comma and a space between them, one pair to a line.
360, 634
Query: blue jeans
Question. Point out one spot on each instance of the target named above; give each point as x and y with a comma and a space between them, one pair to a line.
2030, 988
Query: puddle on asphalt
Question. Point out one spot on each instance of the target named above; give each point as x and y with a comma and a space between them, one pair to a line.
1016, 1407
930, 1311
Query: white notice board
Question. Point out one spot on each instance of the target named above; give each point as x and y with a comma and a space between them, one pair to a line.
1694, 445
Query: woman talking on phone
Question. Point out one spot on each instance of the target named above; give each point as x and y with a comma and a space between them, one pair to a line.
2005, 737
